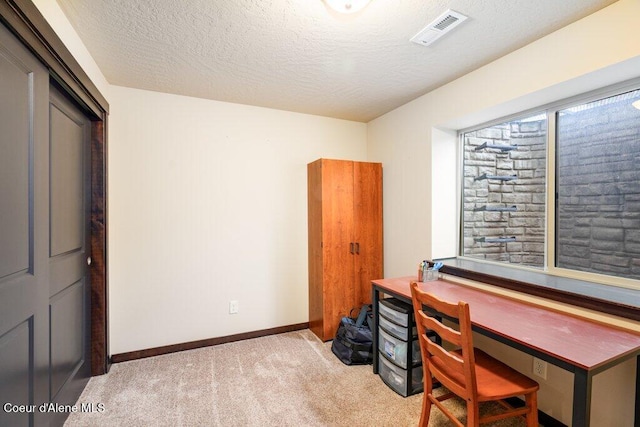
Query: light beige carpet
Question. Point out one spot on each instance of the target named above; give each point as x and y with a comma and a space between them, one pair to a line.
290, 379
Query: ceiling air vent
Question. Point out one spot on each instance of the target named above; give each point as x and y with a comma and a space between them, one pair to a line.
439, 27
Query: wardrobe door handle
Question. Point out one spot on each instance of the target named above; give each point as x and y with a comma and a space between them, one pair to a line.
358, 248
351, 248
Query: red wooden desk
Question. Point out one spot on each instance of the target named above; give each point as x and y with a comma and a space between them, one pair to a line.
575, 344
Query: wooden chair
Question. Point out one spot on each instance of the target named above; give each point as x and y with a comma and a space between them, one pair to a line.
465, 371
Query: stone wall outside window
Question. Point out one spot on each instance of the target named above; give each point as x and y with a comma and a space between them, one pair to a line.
527, 161
598, 213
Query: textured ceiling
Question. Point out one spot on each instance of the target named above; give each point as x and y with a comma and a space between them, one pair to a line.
296, 55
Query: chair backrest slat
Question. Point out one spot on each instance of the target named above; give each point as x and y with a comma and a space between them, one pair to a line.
445, 332
452, 368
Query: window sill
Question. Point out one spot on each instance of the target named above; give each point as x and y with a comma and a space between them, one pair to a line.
608, 299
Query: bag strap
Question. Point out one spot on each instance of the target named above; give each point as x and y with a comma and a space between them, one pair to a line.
362, 316
357, 346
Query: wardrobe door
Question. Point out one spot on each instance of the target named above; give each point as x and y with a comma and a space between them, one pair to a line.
367, 178
338, 244
331, 246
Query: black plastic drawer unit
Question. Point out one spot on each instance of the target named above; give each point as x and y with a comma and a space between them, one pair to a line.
399, 360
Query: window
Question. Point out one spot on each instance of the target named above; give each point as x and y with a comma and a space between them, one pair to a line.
598, 186
504, 191
590, 223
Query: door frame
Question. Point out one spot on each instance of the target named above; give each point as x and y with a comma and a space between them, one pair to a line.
24, 19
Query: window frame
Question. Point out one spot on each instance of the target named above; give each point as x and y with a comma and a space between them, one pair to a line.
549, 272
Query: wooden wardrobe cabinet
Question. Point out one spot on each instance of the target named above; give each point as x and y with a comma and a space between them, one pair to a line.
345, 239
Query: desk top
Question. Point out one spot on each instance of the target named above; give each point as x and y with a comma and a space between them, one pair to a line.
575, 340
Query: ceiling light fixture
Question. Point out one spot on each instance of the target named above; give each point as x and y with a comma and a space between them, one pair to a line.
636, 104
347, 6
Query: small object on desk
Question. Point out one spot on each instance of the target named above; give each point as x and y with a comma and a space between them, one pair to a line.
426, 274
430, 275
422, 267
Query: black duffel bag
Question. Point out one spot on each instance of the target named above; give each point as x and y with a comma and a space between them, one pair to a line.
353, 343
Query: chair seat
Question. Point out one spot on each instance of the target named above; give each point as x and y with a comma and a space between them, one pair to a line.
497, 380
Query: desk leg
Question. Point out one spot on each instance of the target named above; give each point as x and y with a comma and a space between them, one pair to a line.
375, 299
581, 399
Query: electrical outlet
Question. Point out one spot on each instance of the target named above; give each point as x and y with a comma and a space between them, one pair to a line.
234, 307
540, 368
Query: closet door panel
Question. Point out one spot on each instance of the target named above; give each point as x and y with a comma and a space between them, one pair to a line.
69, 298
24, 341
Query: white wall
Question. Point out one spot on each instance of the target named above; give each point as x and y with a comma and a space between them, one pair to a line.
417, 145
208, 203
